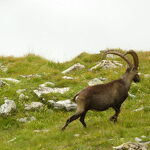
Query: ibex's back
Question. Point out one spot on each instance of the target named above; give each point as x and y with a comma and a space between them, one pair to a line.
103, 96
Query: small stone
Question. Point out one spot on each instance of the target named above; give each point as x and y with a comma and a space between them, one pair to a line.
138, 139
33, 106
7, 107
143, 136
74, 67
46, 90
95, 81
66, 104
38, 131
106, 64
31, 76
47, 84
26, 119
68, 78
76, 135
20, 91
10, 79
23, 97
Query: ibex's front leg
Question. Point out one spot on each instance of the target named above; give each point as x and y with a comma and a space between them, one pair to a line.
115, 116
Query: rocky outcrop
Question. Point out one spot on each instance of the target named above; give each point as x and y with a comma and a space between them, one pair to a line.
74, 67
7, 107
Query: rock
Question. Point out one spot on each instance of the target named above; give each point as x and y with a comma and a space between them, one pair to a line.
74, 67
143, 136
142, 108
46, 90
38, 131
147, 75
68, 78
66, 104
137, 139
7, 107
33, 106
20, 91
26, 119
131, 146
10, 79
3, 68
107, 64
23, 97
31, 76
96, 81
76, 135
46, 84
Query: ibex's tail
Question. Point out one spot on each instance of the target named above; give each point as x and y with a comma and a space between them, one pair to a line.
74, 98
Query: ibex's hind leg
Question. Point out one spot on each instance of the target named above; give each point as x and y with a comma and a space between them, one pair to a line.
72, 118
82, 119
115, 116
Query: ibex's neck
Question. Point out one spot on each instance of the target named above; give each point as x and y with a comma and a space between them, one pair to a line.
127, 78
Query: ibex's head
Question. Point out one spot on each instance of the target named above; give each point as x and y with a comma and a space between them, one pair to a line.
133, 68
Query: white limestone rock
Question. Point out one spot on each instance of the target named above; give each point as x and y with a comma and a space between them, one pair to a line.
33, 106
20, 91
3, 68
74, 67
107, 64
47, 84
96, 81
46, 90
142, 108
10, 79
65, 104
131, 146
26, 119
7, 107
68, 78
31, 76
23, 97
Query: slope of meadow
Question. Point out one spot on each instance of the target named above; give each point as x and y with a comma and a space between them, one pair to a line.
100, 134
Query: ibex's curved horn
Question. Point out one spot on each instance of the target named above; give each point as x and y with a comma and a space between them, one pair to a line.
121, 55
135, 57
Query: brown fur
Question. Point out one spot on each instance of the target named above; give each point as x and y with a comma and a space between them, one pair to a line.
103, 96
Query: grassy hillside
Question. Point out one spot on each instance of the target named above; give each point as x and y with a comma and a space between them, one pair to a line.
100, 134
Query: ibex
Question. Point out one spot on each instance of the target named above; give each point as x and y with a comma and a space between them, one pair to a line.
103, 96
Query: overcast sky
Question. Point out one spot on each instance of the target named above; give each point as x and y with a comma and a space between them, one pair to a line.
61, 29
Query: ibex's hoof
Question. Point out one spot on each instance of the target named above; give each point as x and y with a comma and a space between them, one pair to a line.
113, 119
62, 129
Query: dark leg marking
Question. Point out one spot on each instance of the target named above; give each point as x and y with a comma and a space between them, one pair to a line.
82, 119
72, 118
115, 116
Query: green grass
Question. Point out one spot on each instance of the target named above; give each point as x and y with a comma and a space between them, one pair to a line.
100, 134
